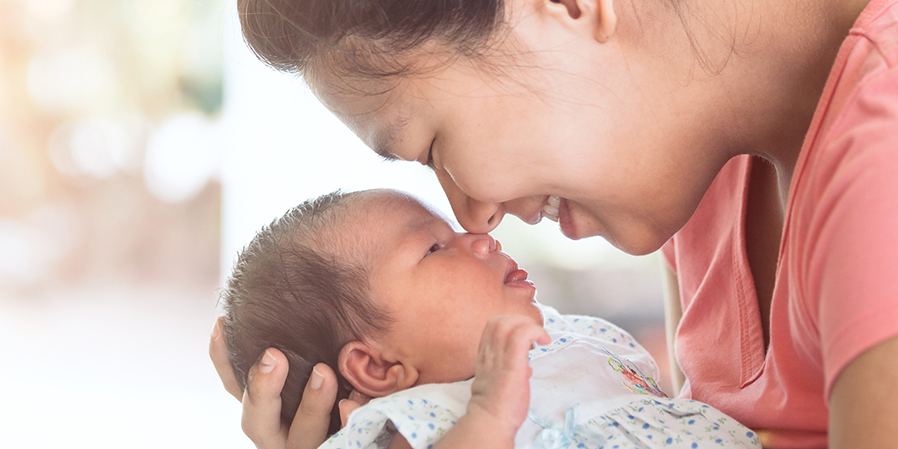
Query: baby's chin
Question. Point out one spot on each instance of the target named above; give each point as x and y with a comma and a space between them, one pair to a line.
536, 313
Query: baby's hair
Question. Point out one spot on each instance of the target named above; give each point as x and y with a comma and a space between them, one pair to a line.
295, 289
363, 37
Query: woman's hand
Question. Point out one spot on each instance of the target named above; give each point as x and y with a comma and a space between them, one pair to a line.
501, 389
262, 400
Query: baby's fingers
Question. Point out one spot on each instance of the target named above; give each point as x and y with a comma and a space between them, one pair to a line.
523, 337
507, 339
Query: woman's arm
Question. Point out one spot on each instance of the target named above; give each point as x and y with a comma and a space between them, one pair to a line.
863, 407
673, 311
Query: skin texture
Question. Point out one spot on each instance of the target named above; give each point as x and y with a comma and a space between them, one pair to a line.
628, 122
500, 393
438, 286
862, 407
629, 130
453, 313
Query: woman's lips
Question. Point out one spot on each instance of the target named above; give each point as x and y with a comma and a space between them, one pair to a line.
550, 209
566, 221
558, 210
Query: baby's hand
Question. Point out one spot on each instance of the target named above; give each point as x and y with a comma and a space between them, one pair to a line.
501, 389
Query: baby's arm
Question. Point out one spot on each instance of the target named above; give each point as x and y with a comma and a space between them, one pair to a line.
500, 394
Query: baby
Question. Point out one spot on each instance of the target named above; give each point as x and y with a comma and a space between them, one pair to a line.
439, 328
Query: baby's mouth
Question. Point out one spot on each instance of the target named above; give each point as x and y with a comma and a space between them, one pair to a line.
516, 276
550, 210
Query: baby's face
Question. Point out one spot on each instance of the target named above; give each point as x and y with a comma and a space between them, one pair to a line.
439, 286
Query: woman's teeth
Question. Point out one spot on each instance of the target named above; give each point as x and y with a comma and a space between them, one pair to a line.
550, 210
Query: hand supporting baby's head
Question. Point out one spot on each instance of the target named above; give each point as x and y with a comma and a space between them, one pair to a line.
377, 285
291, 289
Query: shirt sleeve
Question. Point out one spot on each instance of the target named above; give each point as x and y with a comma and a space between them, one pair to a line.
851, 249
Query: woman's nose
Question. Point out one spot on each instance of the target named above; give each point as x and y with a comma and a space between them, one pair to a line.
473, 215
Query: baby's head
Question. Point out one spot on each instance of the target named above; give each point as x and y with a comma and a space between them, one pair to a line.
375, 284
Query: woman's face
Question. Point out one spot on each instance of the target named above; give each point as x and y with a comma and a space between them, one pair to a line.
572, 117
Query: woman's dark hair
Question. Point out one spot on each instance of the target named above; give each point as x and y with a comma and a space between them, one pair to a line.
291, 290
366, 38
362, 37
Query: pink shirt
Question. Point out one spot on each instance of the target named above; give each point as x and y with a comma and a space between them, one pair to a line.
836, 292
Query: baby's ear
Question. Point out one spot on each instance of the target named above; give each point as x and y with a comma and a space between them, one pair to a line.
361, 364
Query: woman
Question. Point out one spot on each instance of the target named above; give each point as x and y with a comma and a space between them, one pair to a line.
755, 141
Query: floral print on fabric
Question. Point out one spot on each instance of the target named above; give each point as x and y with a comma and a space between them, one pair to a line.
593, 387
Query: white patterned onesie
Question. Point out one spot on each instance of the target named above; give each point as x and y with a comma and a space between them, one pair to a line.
593, 386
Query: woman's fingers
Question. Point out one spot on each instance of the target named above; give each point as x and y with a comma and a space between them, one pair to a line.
218, 352
361, 398
346, 408
309, 427
262, 401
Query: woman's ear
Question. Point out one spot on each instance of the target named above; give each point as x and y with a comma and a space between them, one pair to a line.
363, 366
595, 17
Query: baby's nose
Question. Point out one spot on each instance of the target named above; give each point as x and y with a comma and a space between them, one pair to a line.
483, 244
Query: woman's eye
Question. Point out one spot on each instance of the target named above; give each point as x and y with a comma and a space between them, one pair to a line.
433, 248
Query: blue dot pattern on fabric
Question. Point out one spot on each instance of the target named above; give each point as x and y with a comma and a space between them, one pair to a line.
648, 423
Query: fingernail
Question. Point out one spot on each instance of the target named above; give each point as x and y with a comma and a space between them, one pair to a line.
317, 379
268, 363
216, 330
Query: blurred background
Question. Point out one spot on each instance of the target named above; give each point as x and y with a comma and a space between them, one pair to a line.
141, 145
